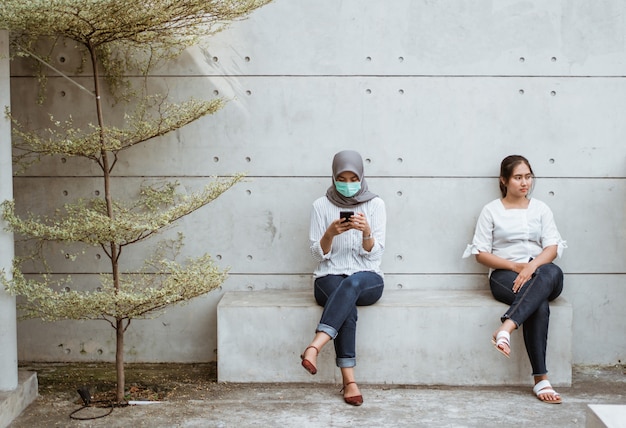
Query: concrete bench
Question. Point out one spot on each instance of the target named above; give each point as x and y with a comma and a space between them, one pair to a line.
410, 337
606, 416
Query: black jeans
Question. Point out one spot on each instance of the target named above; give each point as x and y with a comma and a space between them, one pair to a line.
529, 307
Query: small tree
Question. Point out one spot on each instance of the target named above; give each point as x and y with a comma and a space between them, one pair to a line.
116, 37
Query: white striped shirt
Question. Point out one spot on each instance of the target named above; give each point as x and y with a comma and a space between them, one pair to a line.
347, 255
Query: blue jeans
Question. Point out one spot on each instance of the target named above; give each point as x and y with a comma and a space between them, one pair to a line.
529, 307
340, 295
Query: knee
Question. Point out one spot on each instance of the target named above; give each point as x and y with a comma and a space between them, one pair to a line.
552, 273
350, 283
554, 270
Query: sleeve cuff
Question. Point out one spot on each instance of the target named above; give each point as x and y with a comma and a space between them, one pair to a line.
469, 250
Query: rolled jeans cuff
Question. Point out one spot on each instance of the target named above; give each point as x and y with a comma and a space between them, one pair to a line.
346, 362
327, 329
507, 317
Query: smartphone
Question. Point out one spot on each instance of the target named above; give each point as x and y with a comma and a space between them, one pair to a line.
346, 215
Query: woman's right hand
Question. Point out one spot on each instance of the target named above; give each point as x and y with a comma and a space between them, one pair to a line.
524, 271
339, 226
518, 267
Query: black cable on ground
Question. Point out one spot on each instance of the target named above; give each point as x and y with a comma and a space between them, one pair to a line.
86, 396
111, 406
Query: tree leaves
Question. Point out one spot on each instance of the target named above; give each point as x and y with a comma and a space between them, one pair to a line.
87, 221
141, 297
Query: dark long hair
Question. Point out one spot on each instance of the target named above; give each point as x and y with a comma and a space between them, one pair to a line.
506, 170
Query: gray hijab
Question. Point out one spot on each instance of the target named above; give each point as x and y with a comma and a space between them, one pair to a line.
349, 160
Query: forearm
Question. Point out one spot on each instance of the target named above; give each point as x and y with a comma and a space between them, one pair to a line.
367, 237
326, 243
494, 262
368, 243
546, 256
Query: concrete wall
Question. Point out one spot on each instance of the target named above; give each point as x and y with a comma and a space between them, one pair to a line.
8, 332
433, 94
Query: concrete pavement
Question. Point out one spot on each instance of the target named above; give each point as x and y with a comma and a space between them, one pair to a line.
321, 405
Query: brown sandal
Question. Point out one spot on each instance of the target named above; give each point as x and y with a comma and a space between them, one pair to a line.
355, 400
308, 366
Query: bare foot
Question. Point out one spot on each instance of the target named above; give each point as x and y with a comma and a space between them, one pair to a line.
544, 391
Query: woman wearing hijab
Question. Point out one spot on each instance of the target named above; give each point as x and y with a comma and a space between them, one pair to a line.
347, 236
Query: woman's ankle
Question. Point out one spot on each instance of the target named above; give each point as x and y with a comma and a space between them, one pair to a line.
507, 325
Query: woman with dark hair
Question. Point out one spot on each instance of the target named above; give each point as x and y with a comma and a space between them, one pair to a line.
517, 239
347, 237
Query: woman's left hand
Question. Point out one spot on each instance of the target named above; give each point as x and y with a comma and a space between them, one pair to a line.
524, 274
359, 222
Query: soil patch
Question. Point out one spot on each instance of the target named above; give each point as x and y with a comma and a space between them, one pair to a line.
144, 382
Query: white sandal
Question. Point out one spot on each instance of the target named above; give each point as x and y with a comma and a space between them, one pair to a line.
502, 338
544, 387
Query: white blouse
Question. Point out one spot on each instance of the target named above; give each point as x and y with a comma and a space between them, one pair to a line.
515, 234
347, 255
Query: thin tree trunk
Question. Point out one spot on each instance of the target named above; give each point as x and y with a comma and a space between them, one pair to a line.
119, 359
114, 249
